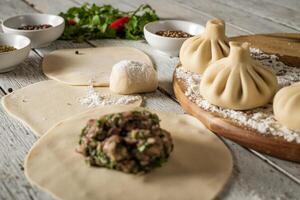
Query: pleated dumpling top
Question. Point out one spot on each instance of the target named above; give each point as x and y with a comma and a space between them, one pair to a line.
286, 106
238, 82
199, 51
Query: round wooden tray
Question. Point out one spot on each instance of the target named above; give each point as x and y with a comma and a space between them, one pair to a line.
271, 145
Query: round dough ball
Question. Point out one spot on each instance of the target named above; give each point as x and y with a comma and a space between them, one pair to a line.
199, 51
129, 77
238, 82
286, 106
69, 67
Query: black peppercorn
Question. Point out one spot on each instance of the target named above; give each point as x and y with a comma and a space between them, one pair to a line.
10, 90
77, 52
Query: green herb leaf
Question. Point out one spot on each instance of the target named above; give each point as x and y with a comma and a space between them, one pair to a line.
92, 22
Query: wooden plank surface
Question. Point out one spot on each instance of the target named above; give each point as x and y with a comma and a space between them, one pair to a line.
241, 18
16, 141
252, 178
267, 10
292, 4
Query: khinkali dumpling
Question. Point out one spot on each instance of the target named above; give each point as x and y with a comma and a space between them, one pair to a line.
286, 106
199, 51
237, 81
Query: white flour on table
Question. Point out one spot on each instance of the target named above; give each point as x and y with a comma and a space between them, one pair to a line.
260, 119
94, 98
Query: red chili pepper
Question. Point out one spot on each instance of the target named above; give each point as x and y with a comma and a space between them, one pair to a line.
72, 22
119, 23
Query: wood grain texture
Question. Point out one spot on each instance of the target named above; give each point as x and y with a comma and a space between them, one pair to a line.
268, 10
29, 71
285, 46
291, 4
9, 8
243, 19
16, 140
51, 7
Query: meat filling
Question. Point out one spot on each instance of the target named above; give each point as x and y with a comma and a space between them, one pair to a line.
131, 142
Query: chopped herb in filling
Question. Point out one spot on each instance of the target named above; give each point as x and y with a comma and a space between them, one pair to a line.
132, 142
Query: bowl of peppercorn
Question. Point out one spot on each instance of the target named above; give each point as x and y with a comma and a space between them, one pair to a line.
167, 36
13, 50
41, 29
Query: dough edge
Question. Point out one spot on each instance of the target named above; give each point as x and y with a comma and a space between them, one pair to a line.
191, 120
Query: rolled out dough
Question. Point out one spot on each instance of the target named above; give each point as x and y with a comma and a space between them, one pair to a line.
90, 64
42, 105
198, 168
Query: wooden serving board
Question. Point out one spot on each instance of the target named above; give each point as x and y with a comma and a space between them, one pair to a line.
287, 47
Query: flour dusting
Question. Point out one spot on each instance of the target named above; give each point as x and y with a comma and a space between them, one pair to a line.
260, 119
94, 98
138, 71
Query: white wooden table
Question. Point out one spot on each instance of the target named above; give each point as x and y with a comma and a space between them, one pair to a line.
255, 176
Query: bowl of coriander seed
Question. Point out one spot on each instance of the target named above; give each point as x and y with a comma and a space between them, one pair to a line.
14, 49
167, 36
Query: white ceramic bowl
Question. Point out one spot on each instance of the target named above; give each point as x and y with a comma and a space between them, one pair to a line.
167, 45
39, 38
8, 60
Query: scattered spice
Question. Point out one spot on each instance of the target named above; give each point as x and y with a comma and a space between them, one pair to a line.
21, 167
131, 142
77, 52
173, 34
10, 90
35, 27
6, 48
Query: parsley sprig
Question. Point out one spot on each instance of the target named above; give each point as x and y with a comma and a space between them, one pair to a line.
95, 22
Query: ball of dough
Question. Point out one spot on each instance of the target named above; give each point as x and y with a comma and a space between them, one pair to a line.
129, 77
199, 51
238, 82
286, 106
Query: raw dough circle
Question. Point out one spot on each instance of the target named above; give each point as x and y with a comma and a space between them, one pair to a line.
286, 106
90, 64
43, 104
199, 166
